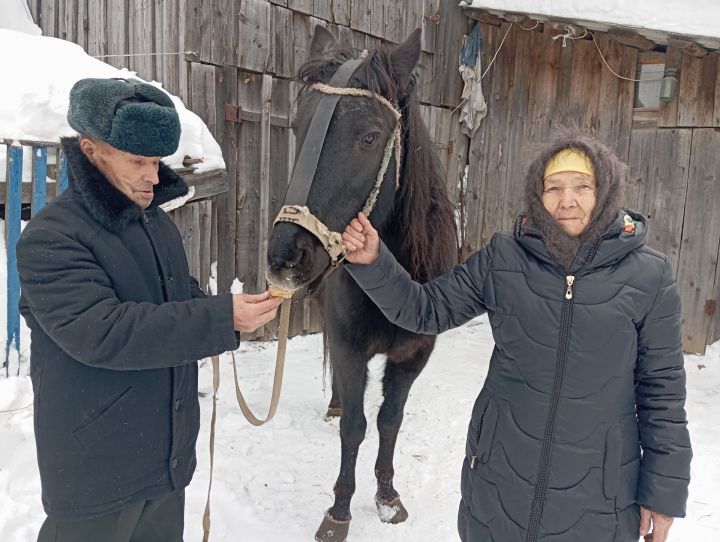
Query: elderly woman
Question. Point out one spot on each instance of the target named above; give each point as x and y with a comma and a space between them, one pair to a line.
579, 432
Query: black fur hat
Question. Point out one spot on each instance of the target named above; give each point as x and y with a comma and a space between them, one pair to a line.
129, 115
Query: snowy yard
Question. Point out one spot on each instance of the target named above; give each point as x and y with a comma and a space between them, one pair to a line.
274, 483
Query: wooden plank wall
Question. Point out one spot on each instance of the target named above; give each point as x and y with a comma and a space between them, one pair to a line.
697, 104
125, 27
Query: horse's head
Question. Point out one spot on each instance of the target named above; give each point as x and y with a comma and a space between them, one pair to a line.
360, 135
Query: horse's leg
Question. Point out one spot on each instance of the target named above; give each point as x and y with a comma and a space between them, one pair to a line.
398, 378
334, 408
350, 376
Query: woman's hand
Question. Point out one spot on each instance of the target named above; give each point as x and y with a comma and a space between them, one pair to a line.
660, 525
361, 241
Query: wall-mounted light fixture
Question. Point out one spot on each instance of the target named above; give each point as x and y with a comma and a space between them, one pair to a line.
669, 85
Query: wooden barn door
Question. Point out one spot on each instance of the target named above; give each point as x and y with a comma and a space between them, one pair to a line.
675, 182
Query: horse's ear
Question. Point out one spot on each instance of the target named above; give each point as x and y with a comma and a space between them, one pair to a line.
321, 41
404, 57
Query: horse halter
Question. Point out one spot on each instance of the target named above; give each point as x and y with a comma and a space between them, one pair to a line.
295, 208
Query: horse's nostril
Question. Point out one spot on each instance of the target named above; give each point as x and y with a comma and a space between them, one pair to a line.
279, 263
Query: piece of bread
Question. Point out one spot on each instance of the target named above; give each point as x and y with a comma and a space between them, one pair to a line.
276, 291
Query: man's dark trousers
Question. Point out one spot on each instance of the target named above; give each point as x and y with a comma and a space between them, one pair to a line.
154, 520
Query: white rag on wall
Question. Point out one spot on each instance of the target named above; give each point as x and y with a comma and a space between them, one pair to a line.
474, 107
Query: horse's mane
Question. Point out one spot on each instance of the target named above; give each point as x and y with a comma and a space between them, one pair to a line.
423, 212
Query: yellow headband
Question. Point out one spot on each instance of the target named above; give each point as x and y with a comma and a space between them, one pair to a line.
569, 160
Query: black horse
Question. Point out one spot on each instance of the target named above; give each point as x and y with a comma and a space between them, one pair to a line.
416, 221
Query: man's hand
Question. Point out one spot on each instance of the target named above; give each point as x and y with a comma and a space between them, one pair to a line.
361, 241
660, 525
252, 311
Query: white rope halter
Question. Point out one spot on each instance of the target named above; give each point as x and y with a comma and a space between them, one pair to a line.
301, 215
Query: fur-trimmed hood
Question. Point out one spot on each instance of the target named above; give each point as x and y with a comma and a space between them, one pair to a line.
610, 174
108, 205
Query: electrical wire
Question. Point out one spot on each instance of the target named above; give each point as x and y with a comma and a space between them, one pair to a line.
148, 54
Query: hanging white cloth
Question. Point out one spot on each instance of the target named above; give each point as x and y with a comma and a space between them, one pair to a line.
474, 107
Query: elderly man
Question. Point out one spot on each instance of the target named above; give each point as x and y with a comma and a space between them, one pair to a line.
118, 325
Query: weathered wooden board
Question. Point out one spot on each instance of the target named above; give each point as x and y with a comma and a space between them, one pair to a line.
340, 12
696, 94
281, 61
141, 38
477, 182
248, 183
255, 38
701, 231
517, 123
665, 190
97, 28
226, 205
499, 131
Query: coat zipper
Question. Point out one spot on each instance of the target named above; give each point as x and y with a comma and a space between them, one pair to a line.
543, 472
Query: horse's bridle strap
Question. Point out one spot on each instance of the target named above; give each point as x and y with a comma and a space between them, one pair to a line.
301, 215
295, 208
307, 161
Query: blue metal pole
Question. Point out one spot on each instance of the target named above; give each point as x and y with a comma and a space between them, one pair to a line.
63, 177
39, 196
13, 202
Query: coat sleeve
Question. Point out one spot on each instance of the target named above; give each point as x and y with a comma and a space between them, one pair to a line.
660, 400
73, 300
431, 308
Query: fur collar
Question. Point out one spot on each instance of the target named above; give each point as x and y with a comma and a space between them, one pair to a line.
110, 207
610, 176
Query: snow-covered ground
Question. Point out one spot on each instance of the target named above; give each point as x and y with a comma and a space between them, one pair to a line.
275, 482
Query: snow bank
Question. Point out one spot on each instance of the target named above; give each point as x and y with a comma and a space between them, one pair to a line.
15, 15
36, 87
686, 17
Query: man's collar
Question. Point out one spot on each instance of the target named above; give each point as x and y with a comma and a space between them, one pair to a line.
108, 205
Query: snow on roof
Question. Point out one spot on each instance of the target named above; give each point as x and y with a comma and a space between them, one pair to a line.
692, 18
15, 15
37, 78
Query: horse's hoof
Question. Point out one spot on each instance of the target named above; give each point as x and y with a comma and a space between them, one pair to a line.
332, 530
391, 511
334, 412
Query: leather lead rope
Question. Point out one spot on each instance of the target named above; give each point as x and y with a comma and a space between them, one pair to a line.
242, 403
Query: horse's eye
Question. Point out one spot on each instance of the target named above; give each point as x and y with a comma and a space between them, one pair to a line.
370, 139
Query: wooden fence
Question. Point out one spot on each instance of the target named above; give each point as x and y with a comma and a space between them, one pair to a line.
23, 198
35, 195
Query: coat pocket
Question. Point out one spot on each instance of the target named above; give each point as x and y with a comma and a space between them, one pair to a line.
485, 434
612, 461
112, 417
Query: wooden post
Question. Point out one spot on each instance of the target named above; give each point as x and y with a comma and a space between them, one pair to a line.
264, 219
